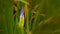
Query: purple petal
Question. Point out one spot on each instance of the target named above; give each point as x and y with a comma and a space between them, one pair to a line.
22, 12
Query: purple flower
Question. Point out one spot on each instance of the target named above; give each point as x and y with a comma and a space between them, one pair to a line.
22, 12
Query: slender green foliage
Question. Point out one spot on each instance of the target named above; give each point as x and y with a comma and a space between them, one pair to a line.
6, 17
43, 17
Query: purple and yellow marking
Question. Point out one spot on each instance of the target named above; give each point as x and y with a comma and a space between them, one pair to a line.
21, 22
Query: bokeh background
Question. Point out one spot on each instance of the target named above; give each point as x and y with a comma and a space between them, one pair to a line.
39, 17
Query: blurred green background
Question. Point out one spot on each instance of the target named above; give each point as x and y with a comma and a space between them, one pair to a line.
40, 16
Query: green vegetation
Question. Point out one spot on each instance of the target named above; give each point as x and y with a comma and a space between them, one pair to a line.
6, 17
43, 17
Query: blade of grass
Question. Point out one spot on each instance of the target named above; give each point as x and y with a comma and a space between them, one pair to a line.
6, 14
